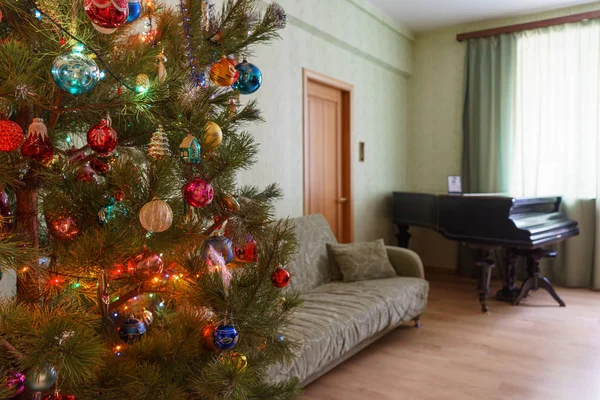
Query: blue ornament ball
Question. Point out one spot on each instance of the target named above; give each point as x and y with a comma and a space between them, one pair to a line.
135, 10
250, 78
225, 337
41, 379
132, 329
75, 73
223, 245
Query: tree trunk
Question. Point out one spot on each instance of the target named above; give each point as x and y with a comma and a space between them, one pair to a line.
28, 228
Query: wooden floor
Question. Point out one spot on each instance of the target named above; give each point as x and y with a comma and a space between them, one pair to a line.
534, 351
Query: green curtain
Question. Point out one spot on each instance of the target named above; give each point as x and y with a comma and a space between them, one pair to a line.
488, 118
488, 121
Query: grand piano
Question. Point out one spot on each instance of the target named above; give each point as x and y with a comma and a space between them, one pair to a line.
486, 223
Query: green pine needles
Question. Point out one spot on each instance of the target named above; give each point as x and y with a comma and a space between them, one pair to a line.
84, 263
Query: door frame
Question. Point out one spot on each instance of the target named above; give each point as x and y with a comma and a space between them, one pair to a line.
347, 140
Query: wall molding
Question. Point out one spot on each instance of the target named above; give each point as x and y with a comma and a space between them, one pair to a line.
313, 30
297, 22
404, 32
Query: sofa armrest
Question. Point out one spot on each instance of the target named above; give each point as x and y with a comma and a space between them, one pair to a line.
406, 262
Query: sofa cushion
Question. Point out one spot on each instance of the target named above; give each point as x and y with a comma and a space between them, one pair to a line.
338, 316
311, 265
362, 261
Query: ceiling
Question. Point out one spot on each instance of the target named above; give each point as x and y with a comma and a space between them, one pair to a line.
423, 15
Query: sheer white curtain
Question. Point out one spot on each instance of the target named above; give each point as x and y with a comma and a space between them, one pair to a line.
555, 145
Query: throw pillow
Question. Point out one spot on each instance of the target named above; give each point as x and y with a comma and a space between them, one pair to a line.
362, 261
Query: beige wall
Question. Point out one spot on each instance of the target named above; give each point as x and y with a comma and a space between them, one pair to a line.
354, 42
435, 138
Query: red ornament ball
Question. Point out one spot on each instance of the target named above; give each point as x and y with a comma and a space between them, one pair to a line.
102, 138
119, 194
247, 252
207, 337
107, 14
100, 166
280, 278
198, 193
145, 265
11, 135
87, 175
58, 396
63, 227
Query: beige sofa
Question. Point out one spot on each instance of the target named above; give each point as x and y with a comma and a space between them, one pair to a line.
339, 319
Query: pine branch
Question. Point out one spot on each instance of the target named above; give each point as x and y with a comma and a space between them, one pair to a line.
11, 349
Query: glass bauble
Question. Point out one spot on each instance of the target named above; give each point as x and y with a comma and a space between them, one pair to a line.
75, 72
156, 216
248, 251
222, 245
135, 10
230, 203
142, 82
102, 167
207, 337
6, 214
198, 193
280, 278
59, 396
250, 78
145, 265
37, 145
107, 13
86, 174
223, 73
16, 382
41, 379
235, 360
102, 138
190, 150
106, 31
132, 329
11, 135
63, 227
213, 136
225, 337
107, 213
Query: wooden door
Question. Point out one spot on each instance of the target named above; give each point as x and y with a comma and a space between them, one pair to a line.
326, 156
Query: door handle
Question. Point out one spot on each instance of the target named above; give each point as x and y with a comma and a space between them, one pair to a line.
343, 200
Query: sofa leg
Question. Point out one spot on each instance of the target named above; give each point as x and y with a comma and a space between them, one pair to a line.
418, 324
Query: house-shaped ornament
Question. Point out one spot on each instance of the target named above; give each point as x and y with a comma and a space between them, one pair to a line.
190, 150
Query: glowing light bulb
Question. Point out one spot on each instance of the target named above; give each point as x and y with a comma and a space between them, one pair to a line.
155, 280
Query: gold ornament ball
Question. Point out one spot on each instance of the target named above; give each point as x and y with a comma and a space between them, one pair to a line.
213, 136
142, 81
236, 360
231, 204
156, 216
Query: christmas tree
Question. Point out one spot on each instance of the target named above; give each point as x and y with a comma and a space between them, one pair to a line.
144, 270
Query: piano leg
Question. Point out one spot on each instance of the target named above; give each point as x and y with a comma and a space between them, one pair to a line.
484, 260
403, 236
509, 291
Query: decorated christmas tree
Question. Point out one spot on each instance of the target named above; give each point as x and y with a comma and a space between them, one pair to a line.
144, 270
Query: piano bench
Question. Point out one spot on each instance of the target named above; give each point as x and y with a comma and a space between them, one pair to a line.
536, 280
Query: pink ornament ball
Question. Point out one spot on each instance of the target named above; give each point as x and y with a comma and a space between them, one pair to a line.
198, 193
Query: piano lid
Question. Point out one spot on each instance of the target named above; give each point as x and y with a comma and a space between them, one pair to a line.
486, 218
